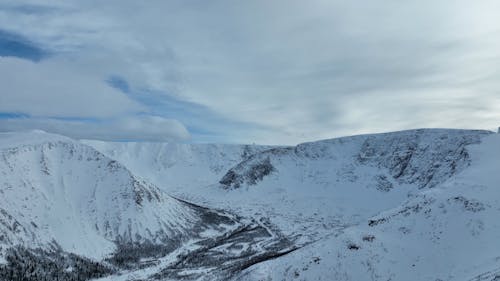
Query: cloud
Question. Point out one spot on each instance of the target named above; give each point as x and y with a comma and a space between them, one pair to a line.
54, 88
286, 71
139, 128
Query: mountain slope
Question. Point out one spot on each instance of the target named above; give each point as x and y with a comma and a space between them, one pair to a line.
449, 232
411, 205
66, 201
422, 157
65, 191
390, 206
315, 188
172, 165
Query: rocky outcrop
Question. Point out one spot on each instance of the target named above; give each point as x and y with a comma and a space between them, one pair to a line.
254, 173
424, 157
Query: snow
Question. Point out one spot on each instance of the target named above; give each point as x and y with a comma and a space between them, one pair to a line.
410, 205
446, 238
55, 189
175, 166
325, 193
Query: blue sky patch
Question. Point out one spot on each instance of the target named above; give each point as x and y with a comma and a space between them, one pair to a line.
12, 115
118, 83
15, 45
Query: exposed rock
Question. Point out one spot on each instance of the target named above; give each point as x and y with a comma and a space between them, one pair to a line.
423, 157
254, 172
470, 205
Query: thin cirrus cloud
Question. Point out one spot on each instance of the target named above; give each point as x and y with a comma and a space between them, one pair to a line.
275, 72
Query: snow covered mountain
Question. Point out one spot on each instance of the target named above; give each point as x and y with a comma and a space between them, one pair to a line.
176, 166
350, 204
58, 195
446, 231
411, 205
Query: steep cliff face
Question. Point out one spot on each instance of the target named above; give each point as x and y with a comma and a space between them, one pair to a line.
424, 157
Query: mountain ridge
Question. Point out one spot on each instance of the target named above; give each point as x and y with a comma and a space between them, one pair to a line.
335, 207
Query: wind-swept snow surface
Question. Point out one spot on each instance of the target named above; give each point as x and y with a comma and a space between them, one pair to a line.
448, 232
175, 166
63, 191
61, 196
411, 205
373, 207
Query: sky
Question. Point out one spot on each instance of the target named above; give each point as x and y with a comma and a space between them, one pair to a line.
256, 71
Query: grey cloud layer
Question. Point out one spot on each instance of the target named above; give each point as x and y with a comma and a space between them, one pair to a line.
57, 89
303, 70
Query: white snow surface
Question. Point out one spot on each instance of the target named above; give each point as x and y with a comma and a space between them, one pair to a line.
411, 205
431, 195
177, 166
54, 189
449, 232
